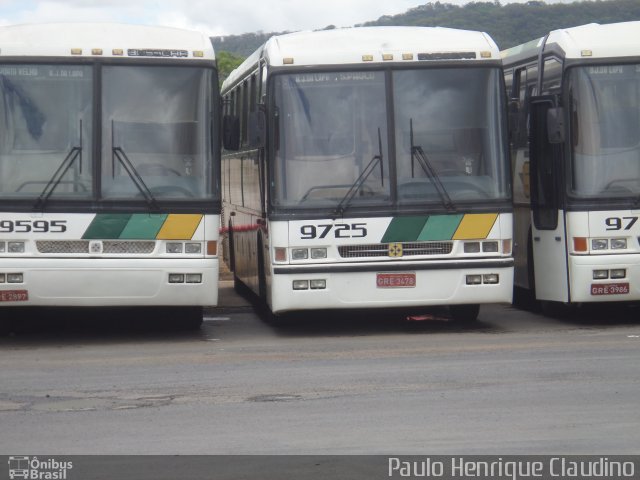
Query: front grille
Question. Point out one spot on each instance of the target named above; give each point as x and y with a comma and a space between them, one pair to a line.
108, 246
62, 246
115, 246
408, 249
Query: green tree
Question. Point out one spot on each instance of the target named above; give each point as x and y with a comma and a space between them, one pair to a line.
227, 61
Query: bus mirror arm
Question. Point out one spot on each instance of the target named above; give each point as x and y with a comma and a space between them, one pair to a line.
555, 125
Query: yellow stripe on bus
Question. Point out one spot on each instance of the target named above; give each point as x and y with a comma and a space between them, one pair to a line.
475, 225
179, 227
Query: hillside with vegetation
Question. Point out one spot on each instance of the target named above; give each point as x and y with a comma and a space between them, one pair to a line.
509, 24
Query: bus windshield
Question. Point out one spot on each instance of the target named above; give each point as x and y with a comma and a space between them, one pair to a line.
452, 117
45, 124
155, 133
604, 104
331, 126
332, 148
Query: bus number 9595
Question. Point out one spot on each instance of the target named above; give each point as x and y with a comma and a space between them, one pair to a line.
36, 226
340, 230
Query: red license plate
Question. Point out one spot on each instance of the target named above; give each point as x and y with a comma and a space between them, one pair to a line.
396, 280
14, 295
609, 288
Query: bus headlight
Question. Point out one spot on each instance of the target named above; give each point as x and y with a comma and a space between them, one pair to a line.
490, 247
490, 278
299, 254
15, 247
317, 253
618, 273
15, 278
192, 248
301, 284
471, 247
173, 247
474, 279
318, 284
600, 274
618, 243
599, 244
176, 278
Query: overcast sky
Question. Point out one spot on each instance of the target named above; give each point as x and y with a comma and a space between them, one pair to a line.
214, 17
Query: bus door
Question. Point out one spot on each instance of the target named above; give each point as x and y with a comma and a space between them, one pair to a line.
548, 229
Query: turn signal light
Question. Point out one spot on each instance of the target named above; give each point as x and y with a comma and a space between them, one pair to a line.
580, 244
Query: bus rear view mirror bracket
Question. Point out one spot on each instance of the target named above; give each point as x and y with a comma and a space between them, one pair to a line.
231, 132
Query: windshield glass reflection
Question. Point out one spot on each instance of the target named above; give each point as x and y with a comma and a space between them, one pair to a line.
154, 122
45, 131
330, 127
604, 103
451, 118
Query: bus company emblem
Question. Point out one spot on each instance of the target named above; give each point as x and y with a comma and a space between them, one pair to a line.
395, 249
95, 247
155, 52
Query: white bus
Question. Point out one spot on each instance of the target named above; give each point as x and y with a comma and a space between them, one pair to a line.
109, 167
368, 167
575, 111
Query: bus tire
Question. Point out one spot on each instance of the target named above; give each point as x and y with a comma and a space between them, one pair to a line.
464, 313
556, 310
191, 318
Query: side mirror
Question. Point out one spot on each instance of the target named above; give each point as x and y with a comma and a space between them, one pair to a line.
231, 132
256, 128
555, 125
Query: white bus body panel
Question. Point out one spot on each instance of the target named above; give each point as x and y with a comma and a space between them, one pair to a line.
593, 225
550, 262
358, 290
111, 39
111, 282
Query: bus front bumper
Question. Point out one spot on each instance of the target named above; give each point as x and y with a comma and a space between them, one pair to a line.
587, 289
109, 282
391, 286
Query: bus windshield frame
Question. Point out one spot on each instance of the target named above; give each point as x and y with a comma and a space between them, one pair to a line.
92, 135
603, 113
375, 140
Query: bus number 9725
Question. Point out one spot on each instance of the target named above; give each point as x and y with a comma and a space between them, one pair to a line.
340, 230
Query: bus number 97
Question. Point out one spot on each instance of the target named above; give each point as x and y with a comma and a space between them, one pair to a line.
617, 223
340, 230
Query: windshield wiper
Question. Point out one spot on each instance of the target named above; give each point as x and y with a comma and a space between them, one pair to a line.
61, 171
136, 178
118, 153
418, 153
357, 184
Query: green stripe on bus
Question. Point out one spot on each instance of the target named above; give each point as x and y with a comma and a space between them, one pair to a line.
440, 227
143, 226
106, 226
404, 229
